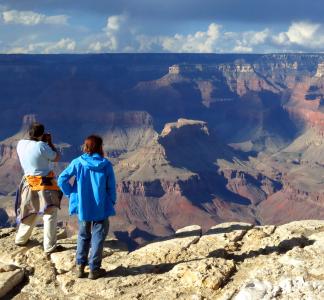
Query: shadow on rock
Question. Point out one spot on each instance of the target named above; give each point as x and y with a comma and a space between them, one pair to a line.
193, 233
229, 229
139, 270
281, 248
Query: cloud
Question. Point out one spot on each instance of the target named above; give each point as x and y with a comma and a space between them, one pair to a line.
200, 42
246, 42
118, 36
121, 35
242, 49
256, 37
115, 25
65, 45
305, 34
30, 18
164, 25
147, 43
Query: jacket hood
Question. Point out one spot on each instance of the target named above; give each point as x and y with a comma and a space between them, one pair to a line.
94, 162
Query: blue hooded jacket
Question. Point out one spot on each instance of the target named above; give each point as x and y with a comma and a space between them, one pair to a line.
93, 193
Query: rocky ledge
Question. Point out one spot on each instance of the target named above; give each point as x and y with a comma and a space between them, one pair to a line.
229, 261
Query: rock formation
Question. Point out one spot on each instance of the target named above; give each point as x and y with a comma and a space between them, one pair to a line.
228, 261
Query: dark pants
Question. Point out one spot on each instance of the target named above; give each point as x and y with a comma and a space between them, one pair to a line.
91, 234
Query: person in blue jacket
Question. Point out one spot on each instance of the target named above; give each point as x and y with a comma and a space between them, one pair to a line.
92, 197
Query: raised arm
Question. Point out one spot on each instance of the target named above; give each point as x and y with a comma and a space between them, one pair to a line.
48, 152
51, 145
48, 149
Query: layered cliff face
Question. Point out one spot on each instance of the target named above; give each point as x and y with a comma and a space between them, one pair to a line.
238, 95
228, 261
247, 95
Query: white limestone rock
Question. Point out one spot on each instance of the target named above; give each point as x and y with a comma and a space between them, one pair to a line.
63, 261
229, 261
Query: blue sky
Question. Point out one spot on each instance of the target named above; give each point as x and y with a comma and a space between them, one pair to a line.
182, 26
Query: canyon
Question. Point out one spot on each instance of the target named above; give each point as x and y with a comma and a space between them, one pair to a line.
194, 139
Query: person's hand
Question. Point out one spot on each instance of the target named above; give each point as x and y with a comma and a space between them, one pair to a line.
47, 138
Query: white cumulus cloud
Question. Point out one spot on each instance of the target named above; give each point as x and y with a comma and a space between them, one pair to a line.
115, 37
256, 37
114, 23
201, 41
65, 45
32, 18
305, 34
121, 33
242, 49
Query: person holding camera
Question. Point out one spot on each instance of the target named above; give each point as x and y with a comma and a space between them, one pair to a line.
38, 192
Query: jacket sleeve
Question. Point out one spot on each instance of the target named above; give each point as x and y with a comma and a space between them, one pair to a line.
63, 180
111, 184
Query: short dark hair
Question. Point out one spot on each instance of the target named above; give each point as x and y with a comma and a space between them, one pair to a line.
93, 144
36, 130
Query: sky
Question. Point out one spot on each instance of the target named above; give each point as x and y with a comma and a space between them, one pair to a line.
170, 26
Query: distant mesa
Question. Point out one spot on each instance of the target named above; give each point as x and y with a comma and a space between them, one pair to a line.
172, 127
184, 69
192, 68
187, 69
238, 66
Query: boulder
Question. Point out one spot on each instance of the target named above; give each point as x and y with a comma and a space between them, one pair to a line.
10, 276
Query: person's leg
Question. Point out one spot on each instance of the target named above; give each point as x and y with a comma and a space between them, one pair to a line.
50, 222
83, 246
25, 229
99, 233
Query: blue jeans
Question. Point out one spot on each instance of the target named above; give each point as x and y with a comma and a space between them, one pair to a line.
91, 234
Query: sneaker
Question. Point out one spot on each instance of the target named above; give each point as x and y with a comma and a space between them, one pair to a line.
56, 248
21, 244
80, 271
97, 273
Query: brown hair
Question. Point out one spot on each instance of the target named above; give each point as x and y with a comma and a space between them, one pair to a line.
36, 130
93, 144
